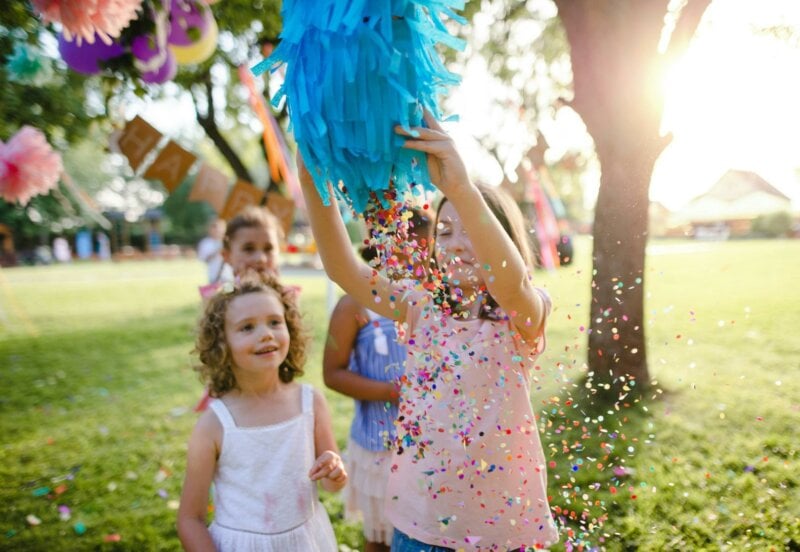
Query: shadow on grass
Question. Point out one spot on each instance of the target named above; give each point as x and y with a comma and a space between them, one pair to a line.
69, 366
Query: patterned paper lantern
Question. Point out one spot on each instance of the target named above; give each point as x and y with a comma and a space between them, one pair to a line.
193, 31
162, 74
154, 60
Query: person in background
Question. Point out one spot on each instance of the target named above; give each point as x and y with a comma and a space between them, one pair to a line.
209, 250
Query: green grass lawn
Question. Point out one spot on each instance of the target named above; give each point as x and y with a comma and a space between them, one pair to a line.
97, 390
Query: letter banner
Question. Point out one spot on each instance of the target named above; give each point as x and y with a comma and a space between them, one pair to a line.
283, 208
171, 165
136, 141
242, 195
211, 186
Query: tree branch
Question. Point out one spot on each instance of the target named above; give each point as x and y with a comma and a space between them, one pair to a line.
685, 27
209, 124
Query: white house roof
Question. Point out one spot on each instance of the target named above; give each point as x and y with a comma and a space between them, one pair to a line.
737, 195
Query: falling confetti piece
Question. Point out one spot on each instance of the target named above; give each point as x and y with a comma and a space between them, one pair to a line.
79, 528
33, 520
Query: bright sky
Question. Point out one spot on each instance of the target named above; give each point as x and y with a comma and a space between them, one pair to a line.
732, 102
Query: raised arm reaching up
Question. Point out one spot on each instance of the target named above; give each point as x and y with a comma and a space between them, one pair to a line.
487, 247
369, 288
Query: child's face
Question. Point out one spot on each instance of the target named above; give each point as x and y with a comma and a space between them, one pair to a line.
253, 248
256, 332
453, 250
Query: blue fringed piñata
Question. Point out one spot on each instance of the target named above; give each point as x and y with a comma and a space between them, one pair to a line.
354, 70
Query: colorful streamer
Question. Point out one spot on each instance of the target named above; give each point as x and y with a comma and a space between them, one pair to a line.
278, 157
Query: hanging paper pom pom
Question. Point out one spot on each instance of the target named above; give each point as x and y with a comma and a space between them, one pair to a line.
354, 70
27, 65
28, 166
83, 19
86, 57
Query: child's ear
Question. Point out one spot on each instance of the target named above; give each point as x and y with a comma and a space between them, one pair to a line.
226, 255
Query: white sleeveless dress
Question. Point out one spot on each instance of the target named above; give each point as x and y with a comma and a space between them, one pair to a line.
264, 500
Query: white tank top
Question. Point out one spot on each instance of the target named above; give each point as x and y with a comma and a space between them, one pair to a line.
261, 484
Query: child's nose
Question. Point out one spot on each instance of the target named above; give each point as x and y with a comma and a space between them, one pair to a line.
458, 242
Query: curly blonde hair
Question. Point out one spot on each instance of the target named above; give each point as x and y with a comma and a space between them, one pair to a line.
216, 362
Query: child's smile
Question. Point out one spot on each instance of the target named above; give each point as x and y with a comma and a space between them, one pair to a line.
256, 332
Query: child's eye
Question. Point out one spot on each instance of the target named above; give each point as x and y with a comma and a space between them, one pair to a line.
247, 328
276, 323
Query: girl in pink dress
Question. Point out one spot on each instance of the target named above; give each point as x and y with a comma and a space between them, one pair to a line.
468, 471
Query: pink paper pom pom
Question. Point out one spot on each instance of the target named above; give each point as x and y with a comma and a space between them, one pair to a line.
28, 166
81, 19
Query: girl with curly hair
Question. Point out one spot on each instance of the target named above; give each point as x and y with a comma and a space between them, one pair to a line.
266, 440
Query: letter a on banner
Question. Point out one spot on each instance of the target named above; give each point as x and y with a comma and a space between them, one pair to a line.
171, 165
242, 195
211, 186
137, 139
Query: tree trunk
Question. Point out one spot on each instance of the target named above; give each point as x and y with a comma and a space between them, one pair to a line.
209, 123
617, 71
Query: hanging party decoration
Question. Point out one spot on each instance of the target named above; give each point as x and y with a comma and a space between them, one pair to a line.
275, 148
138, 141
28, 166
27, 65
153, 59
193, 31
150, 45
354, 70
162, 74
87, 57
151, 55
88, 20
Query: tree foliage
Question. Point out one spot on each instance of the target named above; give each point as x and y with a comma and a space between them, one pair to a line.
526, 51
74, 111
58, 108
